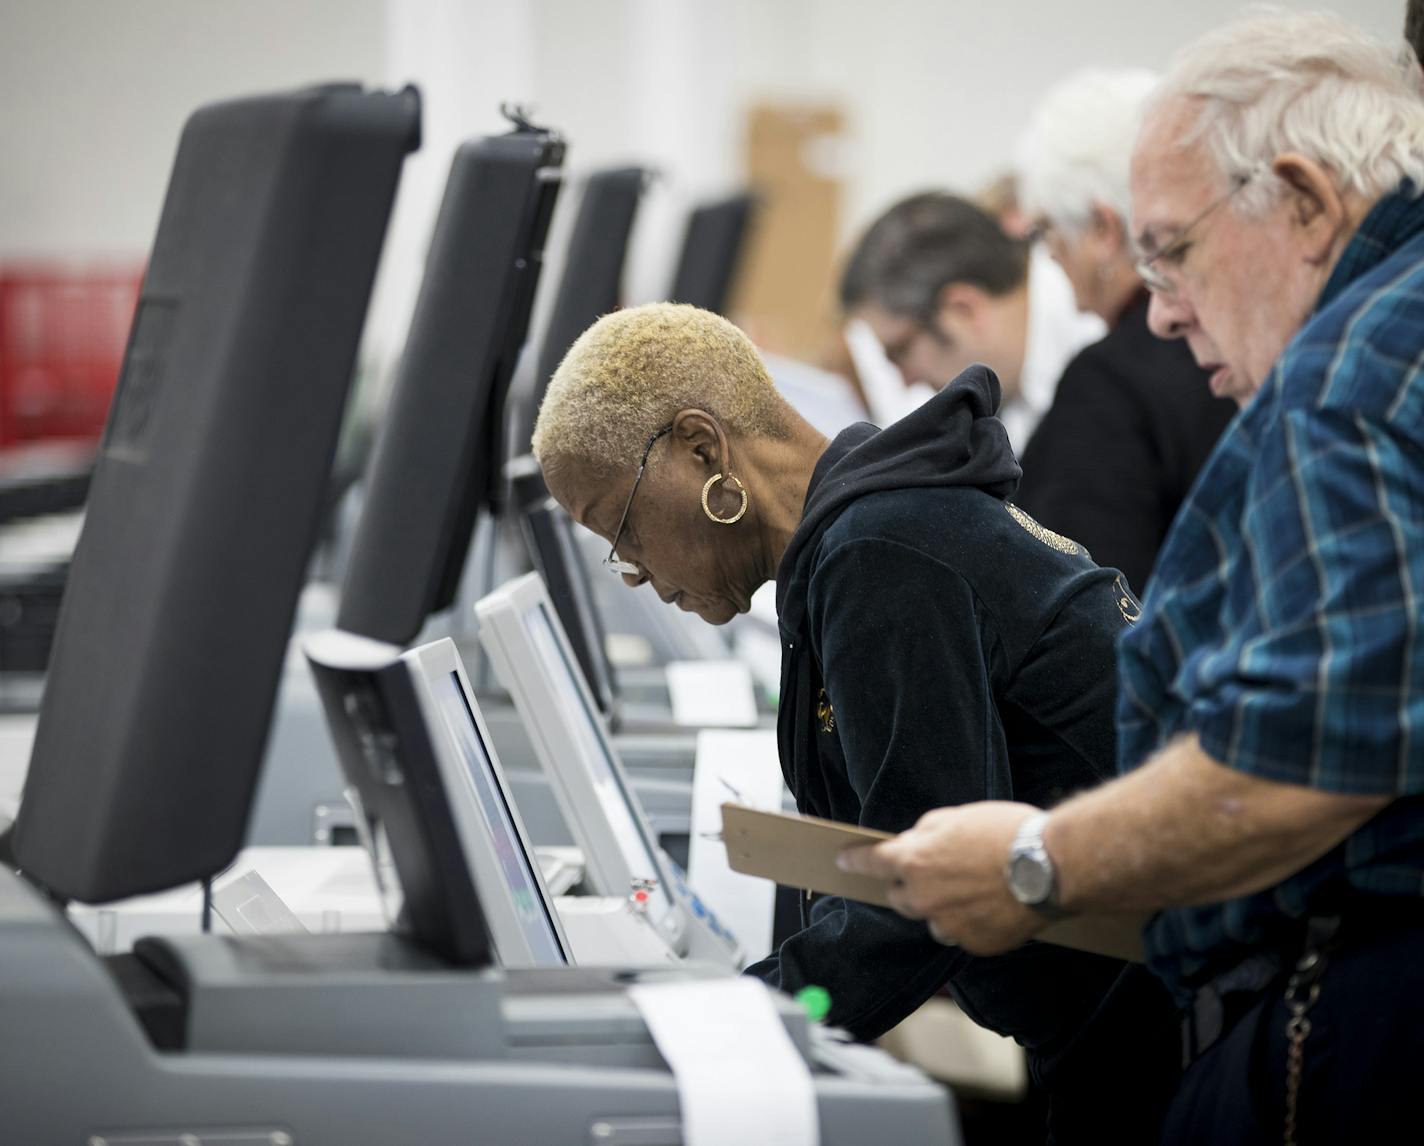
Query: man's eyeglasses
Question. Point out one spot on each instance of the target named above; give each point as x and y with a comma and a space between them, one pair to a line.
612, 561
1039, 231
899, 350
1153, 270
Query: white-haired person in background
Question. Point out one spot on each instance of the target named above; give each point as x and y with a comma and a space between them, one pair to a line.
1133, 417
1271, 711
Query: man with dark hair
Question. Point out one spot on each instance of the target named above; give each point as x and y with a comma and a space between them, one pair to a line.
943, 287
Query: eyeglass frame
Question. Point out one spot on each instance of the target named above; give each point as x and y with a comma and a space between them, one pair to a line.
1153, 279
613, 562
926, 325
1039, 231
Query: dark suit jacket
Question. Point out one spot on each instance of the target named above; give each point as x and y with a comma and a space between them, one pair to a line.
1131, 424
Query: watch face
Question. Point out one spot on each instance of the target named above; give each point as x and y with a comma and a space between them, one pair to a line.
1029, 879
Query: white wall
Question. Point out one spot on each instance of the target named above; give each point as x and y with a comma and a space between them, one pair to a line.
94, 92
93, 96
937, 91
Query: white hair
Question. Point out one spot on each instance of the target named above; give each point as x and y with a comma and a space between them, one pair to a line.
1075, 152
1312, 83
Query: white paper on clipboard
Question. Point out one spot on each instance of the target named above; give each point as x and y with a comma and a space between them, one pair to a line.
741, 766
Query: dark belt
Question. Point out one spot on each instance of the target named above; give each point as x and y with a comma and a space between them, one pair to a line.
1221, 1003
1216, 1007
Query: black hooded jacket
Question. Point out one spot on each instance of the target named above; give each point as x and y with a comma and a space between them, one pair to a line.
939, 647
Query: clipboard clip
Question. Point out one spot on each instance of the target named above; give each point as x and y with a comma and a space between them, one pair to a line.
717, 837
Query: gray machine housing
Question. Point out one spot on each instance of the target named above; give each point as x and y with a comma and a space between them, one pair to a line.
364, 1040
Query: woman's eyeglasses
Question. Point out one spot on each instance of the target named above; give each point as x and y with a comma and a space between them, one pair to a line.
613, 561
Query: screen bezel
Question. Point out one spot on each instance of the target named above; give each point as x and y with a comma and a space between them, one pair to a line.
381, 736
429, 666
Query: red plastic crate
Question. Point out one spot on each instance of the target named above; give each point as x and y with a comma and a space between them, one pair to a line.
62, 337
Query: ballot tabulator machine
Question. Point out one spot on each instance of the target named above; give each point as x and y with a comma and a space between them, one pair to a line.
205, 503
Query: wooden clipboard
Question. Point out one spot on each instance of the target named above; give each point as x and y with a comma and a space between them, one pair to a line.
800, 851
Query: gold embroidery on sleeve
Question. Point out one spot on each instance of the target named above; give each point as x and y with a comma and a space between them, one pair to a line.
1126, 603
1047, 536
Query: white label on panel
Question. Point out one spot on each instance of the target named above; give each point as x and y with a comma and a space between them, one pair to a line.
712, 694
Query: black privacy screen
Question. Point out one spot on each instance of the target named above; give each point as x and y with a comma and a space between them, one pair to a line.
711, 253
206, 497
438, 455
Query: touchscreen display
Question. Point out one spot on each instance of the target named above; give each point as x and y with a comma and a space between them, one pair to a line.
516, 866
637, 849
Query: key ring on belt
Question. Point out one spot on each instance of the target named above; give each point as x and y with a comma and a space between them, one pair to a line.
1302, 991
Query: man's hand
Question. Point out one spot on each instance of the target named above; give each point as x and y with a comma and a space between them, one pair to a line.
1182, 829
949, 870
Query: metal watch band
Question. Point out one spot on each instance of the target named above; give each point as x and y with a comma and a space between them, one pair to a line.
1028, 844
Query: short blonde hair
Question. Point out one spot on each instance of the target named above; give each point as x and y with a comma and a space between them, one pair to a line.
632, 371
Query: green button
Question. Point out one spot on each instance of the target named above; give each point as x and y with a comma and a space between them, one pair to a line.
815, 1001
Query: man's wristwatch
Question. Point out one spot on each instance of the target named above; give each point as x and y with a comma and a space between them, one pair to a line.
1030, 874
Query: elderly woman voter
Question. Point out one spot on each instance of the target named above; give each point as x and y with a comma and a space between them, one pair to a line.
938, 646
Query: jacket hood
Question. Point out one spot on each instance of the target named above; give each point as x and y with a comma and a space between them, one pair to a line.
954, 439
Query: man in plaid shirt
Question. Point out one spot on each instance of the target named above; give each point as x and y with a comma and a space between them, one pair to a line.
1271, 708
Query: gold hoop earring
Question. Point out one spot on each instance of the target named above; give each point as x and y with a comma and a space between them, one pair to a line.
707, 509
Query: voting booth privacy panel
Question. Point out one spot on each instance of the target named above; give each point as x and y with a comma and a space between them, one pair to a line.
206, 496
712, 252
589, 287
438, 459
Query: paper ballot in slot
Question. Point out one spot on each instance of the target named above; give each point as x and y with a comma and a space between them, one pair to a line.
800, 851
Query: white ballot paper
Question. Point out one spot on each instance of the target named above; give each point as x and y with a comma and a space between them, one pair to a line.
742, 767
712, 694
740, 1079
249, 906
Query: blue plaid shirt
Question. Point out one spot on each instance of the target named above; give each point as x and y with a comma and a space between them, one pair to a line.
1283, 625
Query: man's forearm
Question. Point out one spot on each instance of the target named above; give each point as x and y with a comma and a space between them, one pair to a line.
1185, 829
